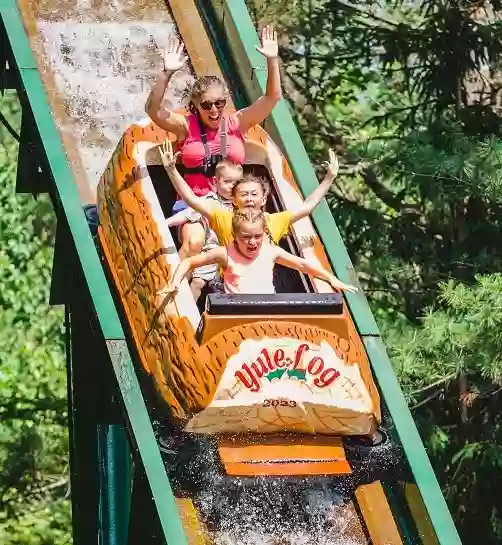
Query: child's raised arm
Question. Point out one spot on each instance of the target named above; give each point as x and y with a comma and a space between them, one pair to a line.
320, 192
304, 266
203, 206
216, 256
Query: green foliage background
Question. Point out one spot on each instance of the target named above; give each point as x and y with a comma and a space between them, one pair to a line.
34, 486
409, 95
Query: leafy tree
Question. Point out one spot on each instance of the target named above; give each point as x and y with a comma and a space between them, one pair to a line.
408, 93
422, 158
451, 368
34, 489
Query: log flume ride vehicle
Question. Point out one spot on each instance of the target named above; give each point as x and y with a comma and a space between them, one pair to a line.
257, 391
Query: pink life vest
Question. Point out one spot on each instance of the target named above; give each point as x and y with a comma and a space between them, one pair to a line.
203, 148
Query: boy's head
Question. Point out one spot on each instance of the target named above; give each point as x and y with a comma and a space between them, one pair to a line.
227, 173
250, 192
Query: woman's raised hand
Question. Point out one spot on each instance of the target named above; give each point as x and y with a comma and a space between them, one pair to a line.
269, 47
167, 155
332, 165
174, 58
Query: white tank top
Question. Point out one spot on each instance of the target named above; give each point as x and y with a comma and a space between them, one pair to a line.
243, 275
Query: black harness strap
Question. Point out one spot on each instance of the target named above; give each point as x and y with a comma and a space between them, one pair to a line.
223, 138
203, 137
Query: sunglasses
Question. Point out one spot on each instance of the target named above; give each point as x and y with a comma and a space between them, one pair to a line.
208, 104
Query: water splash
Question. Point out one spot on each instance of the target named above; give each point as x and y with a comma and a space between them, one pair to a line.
260, 510
103, 73
278, 512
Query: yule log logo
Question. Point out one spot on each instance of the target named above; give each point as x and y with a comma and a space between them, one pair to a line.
283, 359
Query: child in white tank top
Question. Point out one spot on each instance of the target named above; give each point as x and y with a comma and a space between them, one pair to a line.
248, 262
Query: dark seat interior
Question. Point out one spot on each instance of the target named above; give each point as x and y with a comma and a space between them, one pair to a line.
163, 187
286, 280
280, 303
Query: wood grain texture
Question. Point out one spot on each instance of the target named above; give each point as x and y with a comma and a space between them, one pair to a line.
420, 515
194, 531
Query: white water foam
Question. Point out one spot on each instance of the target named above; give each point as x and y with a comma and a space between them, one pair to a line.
103, 73
276, 513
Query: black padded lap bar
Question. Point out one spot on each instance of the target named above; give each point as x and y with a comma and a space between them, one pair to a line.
279, 303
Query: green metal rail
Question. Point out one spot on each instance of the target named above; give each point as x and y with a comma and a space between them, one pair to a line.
231, 25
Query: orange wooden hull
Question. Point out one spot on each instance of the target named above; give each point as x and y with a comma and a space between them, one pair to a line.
141, 256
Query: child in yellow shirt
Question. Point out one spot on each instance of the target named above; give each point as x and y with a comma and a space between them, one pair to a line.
249, 192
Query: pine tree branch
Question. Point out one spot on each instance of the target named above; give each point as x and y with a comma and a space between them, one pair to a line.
363, 12
434, 384
394, 111
380, 190
296, 83
331, 59
426, 400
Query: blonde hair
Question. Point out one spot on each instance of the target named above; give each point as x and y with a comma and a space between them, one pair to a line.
225, 163
249, 215
251, 178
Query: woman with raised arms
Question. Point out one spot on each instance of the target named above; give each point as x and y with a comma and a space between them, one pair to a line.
210, 133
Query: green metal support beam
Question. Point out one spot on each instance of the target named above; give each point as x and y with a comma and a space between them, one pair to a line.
230, 22
69, 208
116, 483
82, 428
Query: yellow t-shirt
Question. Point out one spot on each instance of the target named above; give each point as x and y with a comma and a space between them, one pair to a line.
220, 221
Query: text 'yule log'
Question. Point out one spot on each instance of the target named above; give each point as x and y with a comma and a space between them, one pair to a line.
274, 364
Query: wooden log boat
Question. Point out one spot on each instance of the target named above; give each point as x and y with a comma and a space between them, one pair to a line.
286, 364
